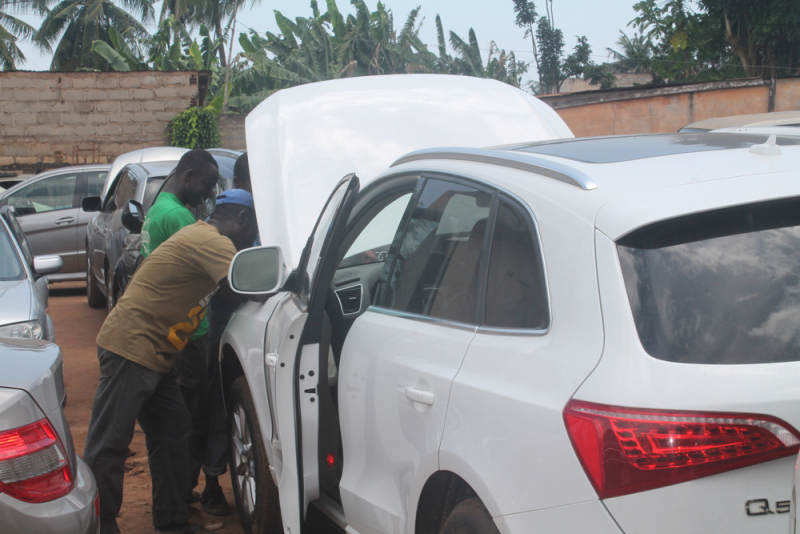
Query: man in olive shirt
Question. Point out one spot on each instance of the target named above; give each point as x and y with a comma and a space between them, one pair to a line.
137, 346
192, 182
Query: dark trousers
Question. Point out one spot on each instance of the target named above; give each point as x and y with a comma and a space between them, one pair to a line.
216, 456
216, 459
190, 365
129, 392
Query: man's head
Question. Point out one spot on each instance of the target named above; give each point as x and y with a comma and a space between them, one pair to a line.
195, 177
235, 217
241, 173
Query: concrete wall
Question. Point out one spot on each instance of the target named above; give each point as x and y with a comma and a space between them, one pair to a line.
666, 109
231, 126
49, 119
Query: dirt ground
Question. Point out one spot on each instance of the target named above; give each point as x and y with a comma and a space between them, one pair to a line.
76, 327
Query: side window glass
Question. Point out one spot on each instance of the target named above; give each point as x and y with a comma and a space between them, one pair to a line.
515, 289
438, 263
126, 189
19, 235
96, 182
50, 194
374, 239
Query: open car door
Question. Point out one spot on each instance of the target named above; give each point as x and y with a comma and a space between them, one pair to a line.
293, 359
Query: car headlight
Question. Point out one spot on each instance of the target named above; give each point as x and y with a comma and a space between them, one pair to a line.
27, 330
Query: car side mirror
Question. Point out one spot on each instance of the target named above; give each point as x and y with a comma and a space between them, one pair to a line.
257, 271
133, 217
43, 265
90, 204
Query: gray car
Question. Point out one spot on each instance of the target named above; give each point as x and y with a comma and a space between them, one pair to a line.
106, 237
49, 209
44, 485
112, 249
23, 284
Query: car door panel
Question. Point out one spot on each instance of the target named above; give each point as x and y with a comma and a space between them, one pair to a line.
296, 360
394, 385
53, 232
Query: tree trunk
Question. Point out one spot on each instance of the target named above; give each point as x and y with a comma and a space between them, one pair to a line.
533, 42
218, 29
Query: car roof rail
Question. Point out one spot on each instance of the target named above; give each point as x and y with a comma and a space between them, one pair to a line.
505, 158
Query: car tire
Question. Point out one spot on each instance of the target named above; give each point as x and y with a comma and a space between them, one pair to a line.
93, 295
253, 488
470, 517
111, 302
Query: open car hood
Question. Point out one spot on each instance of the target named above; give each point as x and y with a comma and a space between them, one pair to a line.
301, 141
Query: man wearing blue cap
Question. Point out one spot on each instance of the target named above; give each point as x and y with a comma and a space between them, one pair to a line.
137, 345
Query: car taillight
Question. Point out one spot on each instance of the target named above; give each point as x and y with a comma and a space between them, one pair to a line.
626, 450
33, 465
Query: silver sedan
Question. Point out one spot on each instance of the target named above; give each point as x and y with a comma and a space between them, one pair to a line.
44, 485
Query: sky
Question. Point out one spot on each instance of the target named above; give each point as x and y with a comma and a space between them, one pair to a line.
493, 20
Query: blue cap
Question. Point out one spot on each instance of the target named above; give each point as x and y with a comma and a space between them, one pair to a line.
236, 196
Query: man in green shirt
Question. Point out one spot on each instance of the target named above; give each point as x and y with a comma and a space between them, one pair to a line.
192, 182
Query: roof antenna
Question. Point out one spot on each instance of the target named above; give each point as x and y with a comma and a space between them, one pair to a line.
770, 148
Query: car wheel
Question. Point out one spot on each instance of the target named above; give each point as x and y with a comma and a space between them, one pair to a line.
93, 294
253, 488
110, 300
470, 517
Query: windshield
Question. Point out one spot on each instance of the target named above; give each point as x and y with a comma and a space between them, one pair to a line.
10, 266
721, 287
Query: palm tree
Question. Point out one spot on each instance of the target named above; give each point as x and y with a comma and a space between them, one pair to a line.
76, 24
11, 28
636, 55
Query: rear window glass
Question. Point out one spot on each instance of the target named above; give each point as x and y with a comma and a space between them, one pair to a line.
721, 287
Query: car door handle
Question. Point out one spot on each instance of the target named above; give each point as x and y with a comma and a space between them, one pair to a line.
65, 220
422, 397
271, 359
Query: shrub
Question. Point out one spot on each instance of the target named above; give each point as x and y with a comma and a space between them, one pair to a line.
194, 128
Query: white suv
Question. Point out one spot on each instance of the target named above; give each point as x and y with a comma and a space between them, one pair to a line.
592, 335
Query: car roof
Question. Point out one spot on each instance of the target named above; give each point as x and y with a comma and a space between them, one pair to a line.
660, 178
54, 172
301, 141
158, 153
156, 168
617, 149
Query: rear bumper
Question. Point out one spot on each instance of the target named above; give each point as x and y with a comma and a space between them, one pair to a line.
73, 513
589, 516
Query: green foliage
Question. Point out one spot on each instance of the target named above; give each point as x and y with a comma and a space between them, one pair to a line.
74, 25
554, 68
194, 128
526, 16
764, 35
12, 28
328, 46
636, 54
687, 45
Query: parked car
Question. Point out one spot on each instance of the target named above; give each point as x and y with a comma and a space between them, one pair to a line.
9, 180
144, 155
106, 235
776, 118
48, 206
44, 485
24, 289
582, 335
113, 248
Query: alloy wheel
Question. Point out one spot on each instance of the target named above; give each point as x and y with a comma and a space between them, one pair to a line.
244, 461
